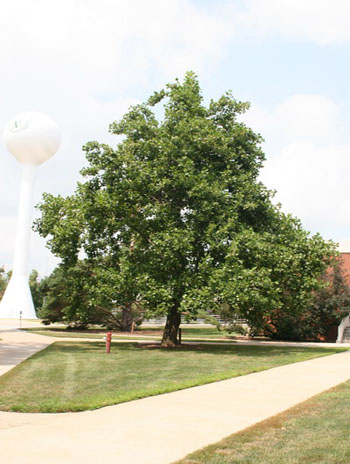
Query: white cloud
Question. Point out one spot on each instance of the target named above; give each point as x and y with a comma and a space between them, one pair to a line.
321, 21
311, 182
306, 117
104, 43
308, 160
81, 61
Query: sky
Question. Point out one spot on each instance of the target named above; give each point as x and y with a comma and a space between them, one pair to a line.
85, 62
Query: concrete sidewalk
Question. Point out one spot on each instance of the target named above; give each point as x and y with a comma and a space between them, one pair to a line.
16, 345
164, 428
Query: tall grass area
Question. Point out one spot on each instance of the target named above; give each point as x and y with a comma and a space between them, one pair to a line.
316, 431
75, 376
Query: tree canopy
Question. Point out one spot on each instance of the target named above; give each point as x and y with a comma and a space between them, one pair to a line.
175, 217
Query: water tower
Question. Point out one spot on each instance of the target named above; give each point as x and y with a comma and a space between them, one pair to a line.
32, 138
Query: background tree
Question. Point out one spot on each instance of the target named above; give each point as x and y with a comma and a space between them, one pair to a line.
72, 296
35, 288
66, 297
167, 215
273, 275
328, 305
4, 278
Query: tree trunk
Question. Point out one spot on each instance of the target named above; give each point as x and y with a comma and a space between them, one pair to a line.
126, 318
171, 329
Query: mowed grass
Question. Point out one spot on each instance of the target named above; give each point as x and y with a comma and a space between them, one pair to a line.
316, 431
75, 376
91, 334
144, 333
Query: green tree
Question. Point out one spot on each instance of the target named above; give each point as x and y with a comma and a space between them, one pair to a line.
161, 217
53, 303
35, 289
78, 296
271, 276
67, 296
4, 278
328, 305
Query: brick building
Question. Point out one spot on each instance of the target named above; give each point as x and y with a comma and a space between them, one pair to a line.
344, 249
344, 327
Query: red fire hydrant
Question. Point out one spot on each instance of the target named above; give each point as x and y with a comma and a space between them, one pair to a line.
108, 342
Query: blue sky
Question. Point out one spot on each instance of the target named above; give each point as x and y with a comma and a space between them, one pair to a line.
84, 62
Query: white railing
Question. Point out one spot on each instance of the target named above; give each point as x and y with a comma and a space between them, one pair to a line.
342, 326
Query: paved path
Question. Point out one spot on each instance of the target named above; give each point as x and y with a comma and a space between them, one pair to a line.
16, 345
162, 429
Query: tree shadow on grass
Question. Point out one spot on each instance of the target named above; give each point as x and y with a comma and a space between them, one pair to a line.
238, 350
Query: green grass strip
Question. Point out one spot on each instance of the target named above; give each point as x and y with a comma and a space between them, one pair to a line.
76, 376
316, 431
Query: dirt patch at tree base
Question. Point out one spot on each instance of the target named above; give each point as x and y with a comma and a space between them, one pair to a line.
183, 346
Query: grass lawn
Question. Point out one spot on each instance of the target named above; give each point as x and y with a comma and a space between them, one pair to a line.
75, 376
316, 431
144, 333
96, 334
